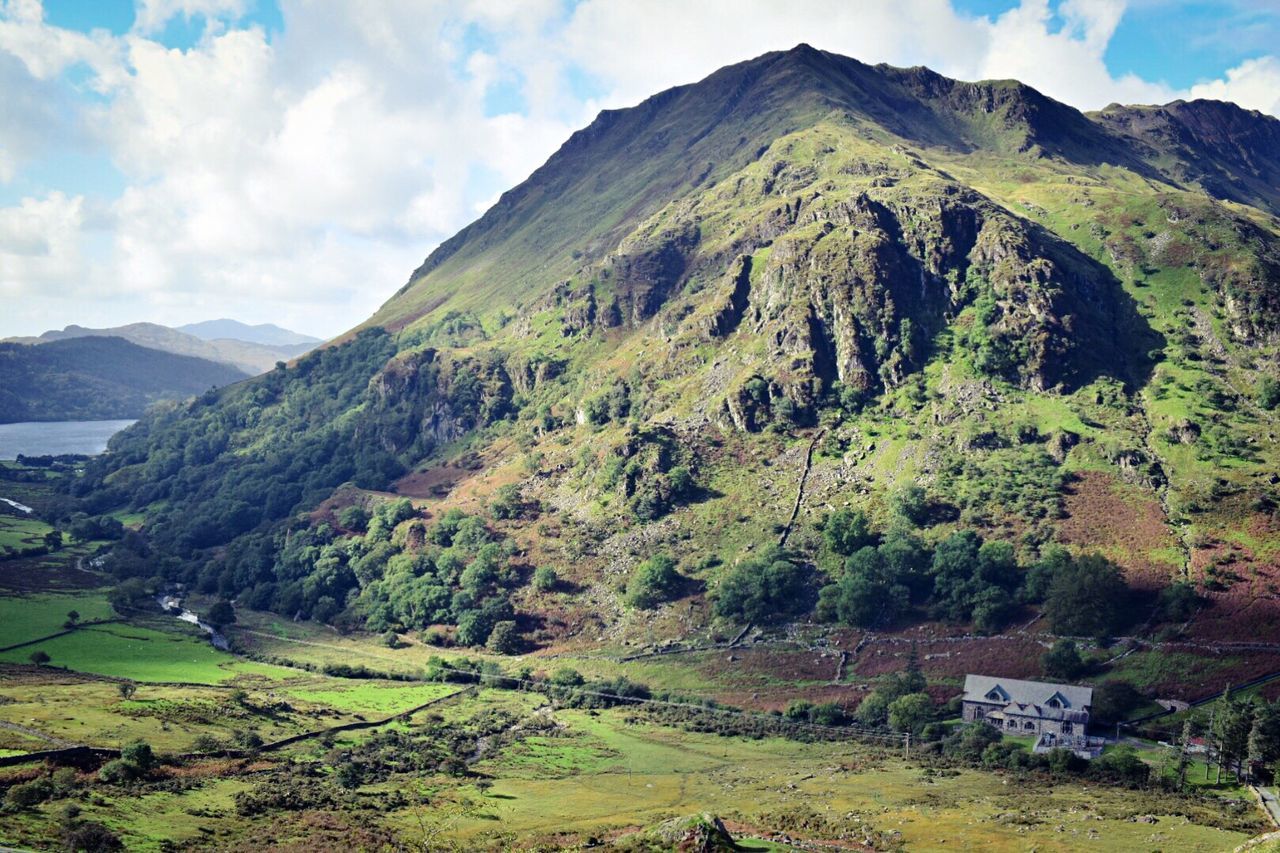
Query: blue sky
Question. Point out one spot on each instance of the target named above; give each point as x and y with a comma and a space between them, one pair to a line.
292, 160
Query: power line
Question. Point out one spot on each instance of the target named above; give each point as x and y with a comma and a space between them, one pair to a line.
543, 686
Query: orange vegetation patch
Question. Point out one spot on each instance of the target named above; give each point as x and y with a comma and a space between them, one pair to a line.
1121, 521
432, 483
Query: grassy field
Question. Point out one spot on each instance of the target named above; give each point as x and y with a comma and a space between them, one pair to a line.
146, 654
20, 531
27, 617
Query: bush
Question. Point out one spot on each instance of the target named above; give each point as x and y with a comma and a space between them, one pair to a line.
91, 837
653, 582
1268, 393
846, 531
40, 658
355, 518
545, 579
1063, 661
910, 713
29, 794
505, 638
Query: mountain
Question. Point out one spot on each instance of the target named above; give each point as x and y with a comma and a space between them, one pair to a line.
246, 355
762, 323
97, 378
266, 334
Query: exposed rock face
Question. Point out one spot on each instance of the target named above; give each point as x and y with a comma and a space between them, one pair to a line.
425, 398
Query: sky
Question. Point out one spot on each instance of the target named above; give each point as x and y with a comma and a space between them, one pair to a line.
291, 161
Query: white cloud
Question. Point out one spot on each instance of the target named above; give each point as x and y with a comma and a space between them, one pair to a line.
152, 15
1254, 84
299, 178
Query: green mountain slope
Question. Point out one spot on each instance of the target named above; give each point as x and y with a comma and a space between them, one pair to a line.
95, 378
712, 323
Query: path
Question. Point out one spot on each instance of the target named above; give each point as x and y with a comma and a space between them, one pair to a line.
1267, 796
38, 735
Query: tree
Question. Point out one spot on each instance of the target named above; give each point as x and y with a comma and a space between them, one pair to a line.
126, 689
873, 710
653, 582
53, 539
768, 588
73, 618
221, 614
1063, 661
354, 517
912, 504
1115, 700
868, 594
506, 503
1268, 393
1087, 597
910, 713
505, 638
1178, 602
1264, 736
40, 657
846, 531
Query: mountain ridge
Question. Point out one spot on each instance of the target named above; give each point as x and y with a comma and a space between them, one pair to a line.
952, 307
247, 356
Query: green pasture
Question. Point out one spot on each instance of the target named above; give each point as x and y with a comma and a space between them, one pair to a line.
30, 617
146, 654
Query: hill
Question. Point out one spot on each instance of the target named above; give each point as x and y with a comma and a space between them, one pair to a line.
244, 355
266, 334
849, 343
96, 378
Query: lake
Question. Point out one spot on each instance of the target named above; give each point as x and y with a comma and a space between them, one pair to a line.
53, 438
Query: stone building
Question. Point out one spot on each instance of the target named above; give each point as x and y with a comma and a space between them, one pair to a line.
1019, 707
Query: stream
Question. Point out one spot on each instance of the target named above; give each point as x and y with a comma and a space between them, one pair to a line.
171, 603
19, 507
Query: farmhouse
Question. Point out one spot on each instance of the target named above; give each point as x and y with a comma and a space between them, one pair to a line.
1027, 707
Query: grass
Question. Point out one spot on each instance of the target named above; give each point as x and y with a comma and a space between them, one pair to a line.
145, 654
19, 531
371, 698
31, 616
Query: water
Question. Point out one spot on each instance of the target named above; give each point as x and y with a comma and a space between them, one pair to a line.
53, 438
170, 603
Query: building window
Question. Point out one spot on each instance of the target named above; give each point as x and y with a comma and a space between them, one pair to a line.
1066, 728
1054, 703
1028, 725
1013, 724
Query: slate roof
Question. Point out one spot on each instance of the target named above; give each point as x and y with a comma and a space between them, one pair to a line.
1025, 693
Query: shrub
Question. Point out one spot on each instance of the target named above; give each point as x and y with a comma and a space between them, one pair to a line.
90, 836
505, 638
29, 794
221, 613
545, 579
846, 531
1268, 393
40, 657
910, 713
1063, 661
653, 582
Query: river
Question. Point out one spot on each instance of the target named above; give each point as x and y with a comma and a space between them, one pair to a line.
53, 438
170, 603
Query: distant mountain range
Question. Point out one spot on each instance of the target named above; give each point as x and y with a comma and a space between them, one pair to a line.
250, 349
266, 334
98, 378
